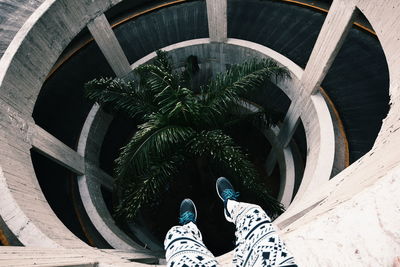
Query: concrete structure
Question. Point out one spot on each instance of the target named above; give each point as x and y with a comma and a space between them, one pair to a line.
108, 43
351, 219
217, 20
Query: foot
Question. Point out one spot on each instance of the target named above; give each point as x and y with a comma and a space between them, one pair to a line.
225, 190
187, 212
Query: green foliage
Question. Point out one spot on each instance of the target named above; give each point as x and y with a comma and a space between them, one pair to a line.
178, 124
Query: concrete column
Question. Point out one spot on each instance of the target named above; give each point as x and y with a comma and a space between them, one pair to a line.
333, 32
51, 147
217, 20
105, 38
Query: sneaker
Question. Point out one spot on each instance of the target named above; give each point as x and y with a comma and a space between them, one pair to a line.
225, 190
187, 212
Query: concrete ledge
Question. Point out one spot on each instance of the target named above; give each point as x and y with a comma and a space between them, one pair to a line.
53, 148
27, 257
89, 145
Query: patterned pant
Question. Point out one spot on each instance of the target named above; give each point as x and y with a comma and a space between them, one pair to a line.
257, 243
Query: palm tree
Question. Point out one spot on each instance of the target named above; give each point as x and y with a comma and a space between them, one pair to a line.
178, 124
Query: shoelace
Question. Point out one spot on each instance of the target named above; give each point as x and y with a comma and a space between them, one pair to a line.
230, 194
186, 217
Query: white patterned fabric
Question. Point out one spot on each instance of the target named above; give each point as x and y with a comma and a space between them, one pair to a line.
184, 248
257, 243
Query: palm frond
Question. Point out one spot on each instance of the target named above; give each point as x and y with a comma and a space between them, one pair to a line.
222, 149
178, 122
147, 187
223, 94
163, 61
119, 95
153, 139
155, 78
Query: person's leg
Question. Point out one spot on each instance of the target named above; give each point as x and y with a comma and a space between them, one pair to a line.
257, 243
183, 243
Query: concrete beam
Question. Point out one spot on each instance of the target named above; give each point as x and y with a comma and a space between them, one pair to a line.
98, 175
333, 33
47, 32
107, 41
217, 20
51, 147
23, 207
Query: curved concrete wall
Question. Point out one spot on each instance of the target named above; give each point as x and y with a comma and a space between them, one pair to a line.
352, 217
23, 70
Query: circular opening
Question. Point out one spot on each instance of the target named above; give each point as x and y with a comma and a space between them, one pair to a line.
196, 176
195, 180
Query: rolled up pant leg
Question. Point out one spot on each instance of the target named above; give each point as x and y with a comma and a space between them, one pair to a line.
257, 242
184, 248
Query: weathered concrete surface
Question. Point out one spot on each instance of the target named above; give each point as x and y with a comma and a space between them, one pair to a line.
26, 257
360, 232
342, 158
13, 14
330, 39
23, 68
105, 38
90, 142
358, 216
217, 20
23, 207
325, 50
53, 148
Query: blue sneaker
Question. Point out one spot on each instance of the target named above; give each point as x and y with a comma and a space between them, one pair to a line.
225, 190
187, 212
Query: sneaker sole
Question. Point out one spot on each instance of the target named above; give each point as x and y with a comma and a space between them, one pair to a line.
216, 187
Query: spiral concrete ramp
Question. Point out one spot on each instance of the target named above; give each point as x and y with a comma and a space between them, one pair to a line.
336, 147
